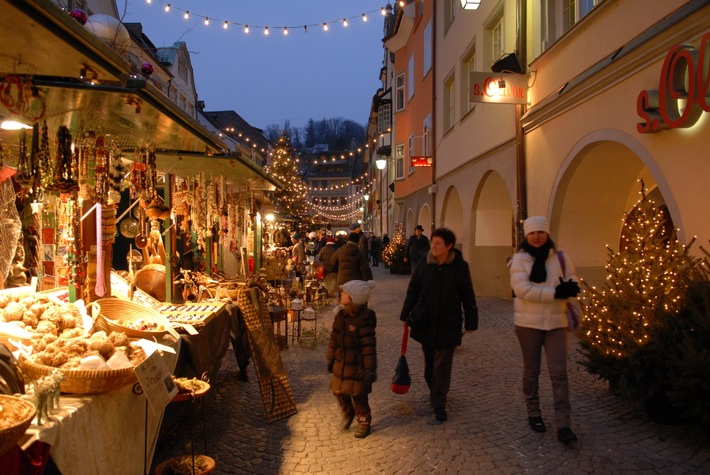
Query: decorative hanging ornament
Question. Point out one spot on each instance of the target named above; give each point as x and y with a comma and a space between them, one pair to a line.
79, 15
147, 69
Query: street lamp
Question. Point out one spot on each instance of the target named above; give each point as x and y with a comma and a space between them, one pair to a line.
366, 197
470, 4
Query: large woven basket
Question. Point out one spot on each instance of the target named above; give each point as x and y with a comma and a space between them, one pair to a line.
15, 417
83, 381
151, 280
112, 311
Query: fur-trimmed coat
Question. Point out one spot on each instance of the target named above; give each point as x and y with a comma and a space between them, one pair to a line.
352, 352
449, 300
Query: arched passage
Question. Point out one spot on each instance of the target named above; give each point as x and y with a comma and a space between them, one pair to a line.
452, 213
492, 231
425, 219
601, 182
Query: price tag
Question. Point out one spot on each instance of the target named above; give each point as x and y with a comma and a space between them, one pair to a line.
157, 382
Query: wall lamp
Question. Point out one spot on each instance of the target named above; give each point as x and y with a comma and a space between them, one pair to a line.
470, 4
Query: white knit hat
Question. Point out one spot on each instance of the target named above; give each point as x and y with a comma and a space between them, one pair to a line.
359, 290
536, 223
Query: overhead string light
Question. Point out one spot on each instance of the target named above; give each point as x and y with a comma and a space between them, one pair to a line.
325, 25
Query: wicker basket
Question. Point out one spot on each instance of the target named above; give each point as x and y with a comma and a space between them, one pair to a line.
83, 381
15, 417
151, 280
114, 310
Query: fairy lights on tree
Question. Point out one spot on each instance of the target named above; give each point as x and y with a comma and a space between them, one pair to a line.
291, 199
393, 253
647, 276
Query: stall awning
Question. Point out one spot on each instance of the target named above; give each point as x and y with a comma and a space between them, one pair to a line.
45, 44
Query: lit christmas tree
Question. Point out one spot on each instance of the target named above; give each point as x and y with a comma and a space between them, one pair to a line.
647, 277
393, 253
284, 168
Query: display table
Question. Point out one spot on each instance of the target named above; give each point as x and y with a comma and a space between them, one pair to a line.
95, 434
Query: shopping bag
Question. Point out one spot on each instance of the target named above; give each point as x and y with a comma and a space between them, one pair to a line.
401, 380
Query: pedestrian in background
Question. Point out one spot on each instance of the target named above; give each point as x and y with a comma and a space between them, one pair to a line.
375, 249
362, 239
352, 356
416, 248
541, 291
352, 263
442, 282
331, 270
298, 255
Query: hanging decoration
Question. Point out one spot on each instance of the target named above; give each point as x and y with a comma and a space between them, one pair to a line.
266, 29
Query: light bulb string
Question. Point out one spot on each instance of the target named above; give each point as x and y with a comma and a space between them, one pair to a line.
169, 6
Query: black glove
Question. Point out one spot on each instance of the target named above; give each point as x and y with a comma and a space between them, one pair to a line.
567, 289
330, 366
369, 375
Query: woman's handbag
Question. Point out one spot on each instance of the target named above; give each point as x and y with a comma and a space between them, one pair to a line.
401, 379
573, 310
417, 315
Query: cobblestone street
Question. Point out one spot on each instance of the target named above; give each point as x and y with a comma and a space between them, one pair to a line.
486, 431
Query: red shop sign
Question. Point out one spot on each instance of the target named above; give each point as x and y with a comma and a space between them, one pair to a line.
421, 161
683, 90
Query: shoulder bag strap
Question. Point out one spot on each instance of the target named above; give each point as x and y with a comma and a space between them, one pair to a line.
561, 257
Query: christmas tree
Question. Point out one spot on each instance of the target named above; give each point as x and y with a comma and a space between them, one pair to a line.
393, 253
284, 168
646, 278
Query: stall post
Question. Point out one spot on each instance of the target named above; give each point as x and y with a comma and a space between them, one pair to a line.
257, 242
169, 240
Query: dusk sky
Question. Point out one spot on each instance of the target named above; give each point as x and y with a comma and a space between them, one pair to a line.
268, 79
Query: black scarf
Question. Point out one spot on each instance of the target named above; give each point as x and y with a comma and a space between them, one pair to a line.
538, 273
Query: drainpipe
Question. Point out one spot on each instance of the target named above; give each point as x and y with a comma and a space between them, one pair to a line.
520, 156
433, 118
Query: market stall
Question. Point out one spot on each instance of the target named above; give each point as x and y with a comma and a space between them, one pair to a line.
102, 177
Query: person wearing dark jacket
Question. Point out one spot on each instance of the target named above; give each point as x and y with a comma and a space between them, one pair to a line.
352, 355
443, 283
331, 270
362, 238
416, 248
352, 263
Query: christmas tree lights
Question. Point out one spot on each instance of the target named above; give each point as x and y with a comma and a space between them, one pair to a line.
647, 276
289, 200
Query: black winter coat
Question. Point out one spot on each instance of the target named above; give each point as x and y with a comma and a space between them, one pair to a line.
351, 263
353, 351
446, 288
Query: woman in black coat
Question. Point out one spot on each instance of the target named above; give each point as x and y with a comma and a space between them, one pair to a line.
443, 282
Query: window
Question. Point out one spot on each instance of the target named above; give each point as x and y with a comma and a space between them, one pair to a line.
497, 39
427, 49
399, 93
399, 161
410, 73
426, 139
412, 152
559, 16
449, 102
384, 118
449, 9
467, 66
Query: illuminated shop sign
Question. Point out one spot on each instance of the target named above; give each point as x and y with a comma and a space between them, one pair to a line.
421, 161
500, 88
683, 90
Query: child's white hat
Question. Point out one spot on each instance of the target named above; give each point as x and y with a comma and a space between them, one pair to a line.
359, 290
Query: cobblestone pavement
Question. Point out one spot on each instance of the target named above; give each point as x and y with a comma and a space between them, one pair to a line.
486, 431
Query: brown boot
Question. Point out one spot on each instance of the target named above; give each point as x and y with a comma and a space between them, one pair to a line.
363, 427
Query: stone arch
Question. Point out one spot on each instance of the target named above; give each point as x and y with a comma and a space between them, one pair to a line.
597, 183
492, 236
425, 219
452, 214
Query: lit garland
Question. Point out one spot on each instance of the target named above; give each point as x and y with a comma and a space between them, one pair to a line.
267, 29
644, 277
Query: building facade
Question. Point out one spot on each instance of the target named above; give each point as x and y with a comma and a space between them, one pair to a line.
616, 94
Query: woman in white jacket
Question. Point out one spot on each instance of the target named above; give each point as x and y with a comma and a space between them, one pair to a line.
541, 291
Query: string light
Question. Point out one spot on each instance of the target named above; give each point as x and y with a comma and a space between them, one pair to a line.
266, 30
225, 23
